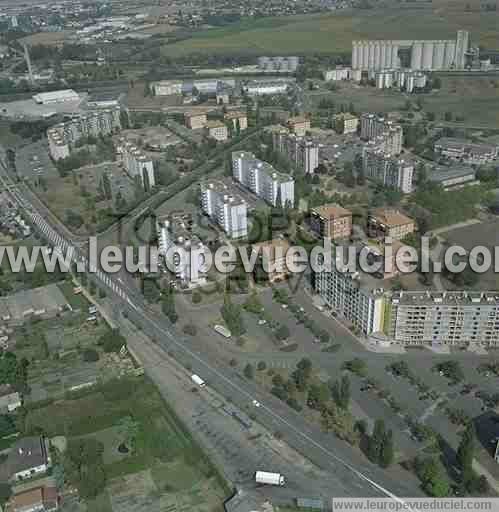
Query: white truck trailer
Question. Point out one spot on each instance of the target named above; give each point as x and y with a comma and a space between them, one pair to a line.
198, 380
264, 477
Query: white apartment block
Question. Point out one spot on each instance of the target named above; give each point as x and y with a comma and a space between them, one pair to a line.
386, 169
262, 179
167, 87
61, 137
450, 318
227, 209
410, 317
341, 290
302, 152
184, 253
136, 164
345, 123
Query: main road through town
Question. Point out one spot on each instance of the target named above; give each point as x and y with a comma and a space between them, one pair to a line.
351, 474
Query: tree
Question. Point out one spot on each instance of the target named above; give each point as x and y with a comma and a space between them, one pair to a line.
231, 313
344, 393
190, 329
90, 355
448, 116
431, 474
249, 371
375, 444
196, 297
466, 452
262, 365
112, 341
282, 333
168, 304
129, 429
387, 450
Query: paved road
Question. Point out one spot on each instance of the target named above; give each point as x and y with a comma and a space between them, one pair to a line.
352, 475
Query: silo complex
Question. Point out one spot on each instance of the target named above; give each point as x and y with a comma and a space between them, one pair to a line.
426, 55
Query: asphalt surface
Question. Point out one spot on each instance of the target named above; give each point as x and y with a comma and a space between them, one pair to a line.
351, 474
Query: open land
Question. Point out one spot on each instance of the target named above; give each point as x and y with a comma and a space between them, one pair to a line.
333, 33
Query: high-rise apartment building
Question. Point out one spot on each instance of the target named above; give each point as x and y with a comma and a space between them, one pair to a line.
386, 134
63, 136
225, 207
387, 169
184, 253
262, 179
300, 151
137, 165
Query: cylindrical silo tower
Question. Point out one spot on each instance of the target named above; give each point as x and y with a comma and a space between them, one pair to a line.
416, 55
359, 55
371, 55
395, 56
380, 80
355, 62
438, 55
428, 55
377, 55
382, 54
365, 55
450, 51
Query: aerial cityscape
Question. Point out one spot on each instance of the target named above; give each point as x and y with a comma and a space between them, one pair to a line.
249, 256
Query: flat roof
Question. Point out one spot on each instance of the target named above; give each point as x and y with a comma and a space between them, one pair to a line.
225, 187
235, 114
215, 124
67, 94
446, 298
439, 174
332, 210
298, 119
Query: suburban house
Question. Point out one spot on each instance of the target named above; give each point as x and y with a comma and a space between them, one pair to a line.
28, 457
38, 499
9, 399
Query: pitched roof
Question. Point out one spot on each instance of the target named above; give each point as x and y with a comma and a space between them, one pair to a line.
27, 453
330, 211
391, 218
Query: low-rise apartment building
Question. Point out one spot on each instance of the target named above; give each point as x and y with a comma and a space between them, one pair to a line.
217, 130
389, 222
262, 179
271, 261
337, 74
238, 119
386, 169
29, 457
299, 125
261, 88
183, 252
167, 87
225, 207
453, 177
137, 165
345, 123
331, 221
195, 120
465, 151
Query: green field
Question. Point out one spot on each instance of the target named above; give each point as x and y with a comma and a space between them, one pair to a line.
333, 33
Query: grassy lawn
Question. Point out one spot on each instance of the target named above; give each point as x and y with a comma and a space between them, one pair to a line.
100, 504
76, 301
333, 33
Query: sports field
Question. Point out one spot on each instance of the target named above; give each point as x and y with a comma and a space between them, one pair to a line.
333, 33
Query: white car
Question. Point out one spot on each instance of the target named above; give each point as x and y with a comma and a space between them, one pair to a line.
284, 306
262, 321
256, 403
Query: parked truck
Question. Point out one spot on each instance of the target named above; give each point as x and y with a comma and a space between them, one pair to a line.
264, 477
198, 380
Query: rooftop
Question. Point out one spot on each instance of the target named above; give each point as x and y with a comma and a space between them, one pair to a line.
215, 124
464, 145
27, 453
449, 298
440, 174
226, 188
235, 114
390, 217
331, 211
298, 120
65, 94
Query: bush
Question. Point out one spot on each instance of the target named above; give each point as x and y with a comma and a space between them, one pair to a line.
90, 355
190, 329
282, 332
196, 297
262, 365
